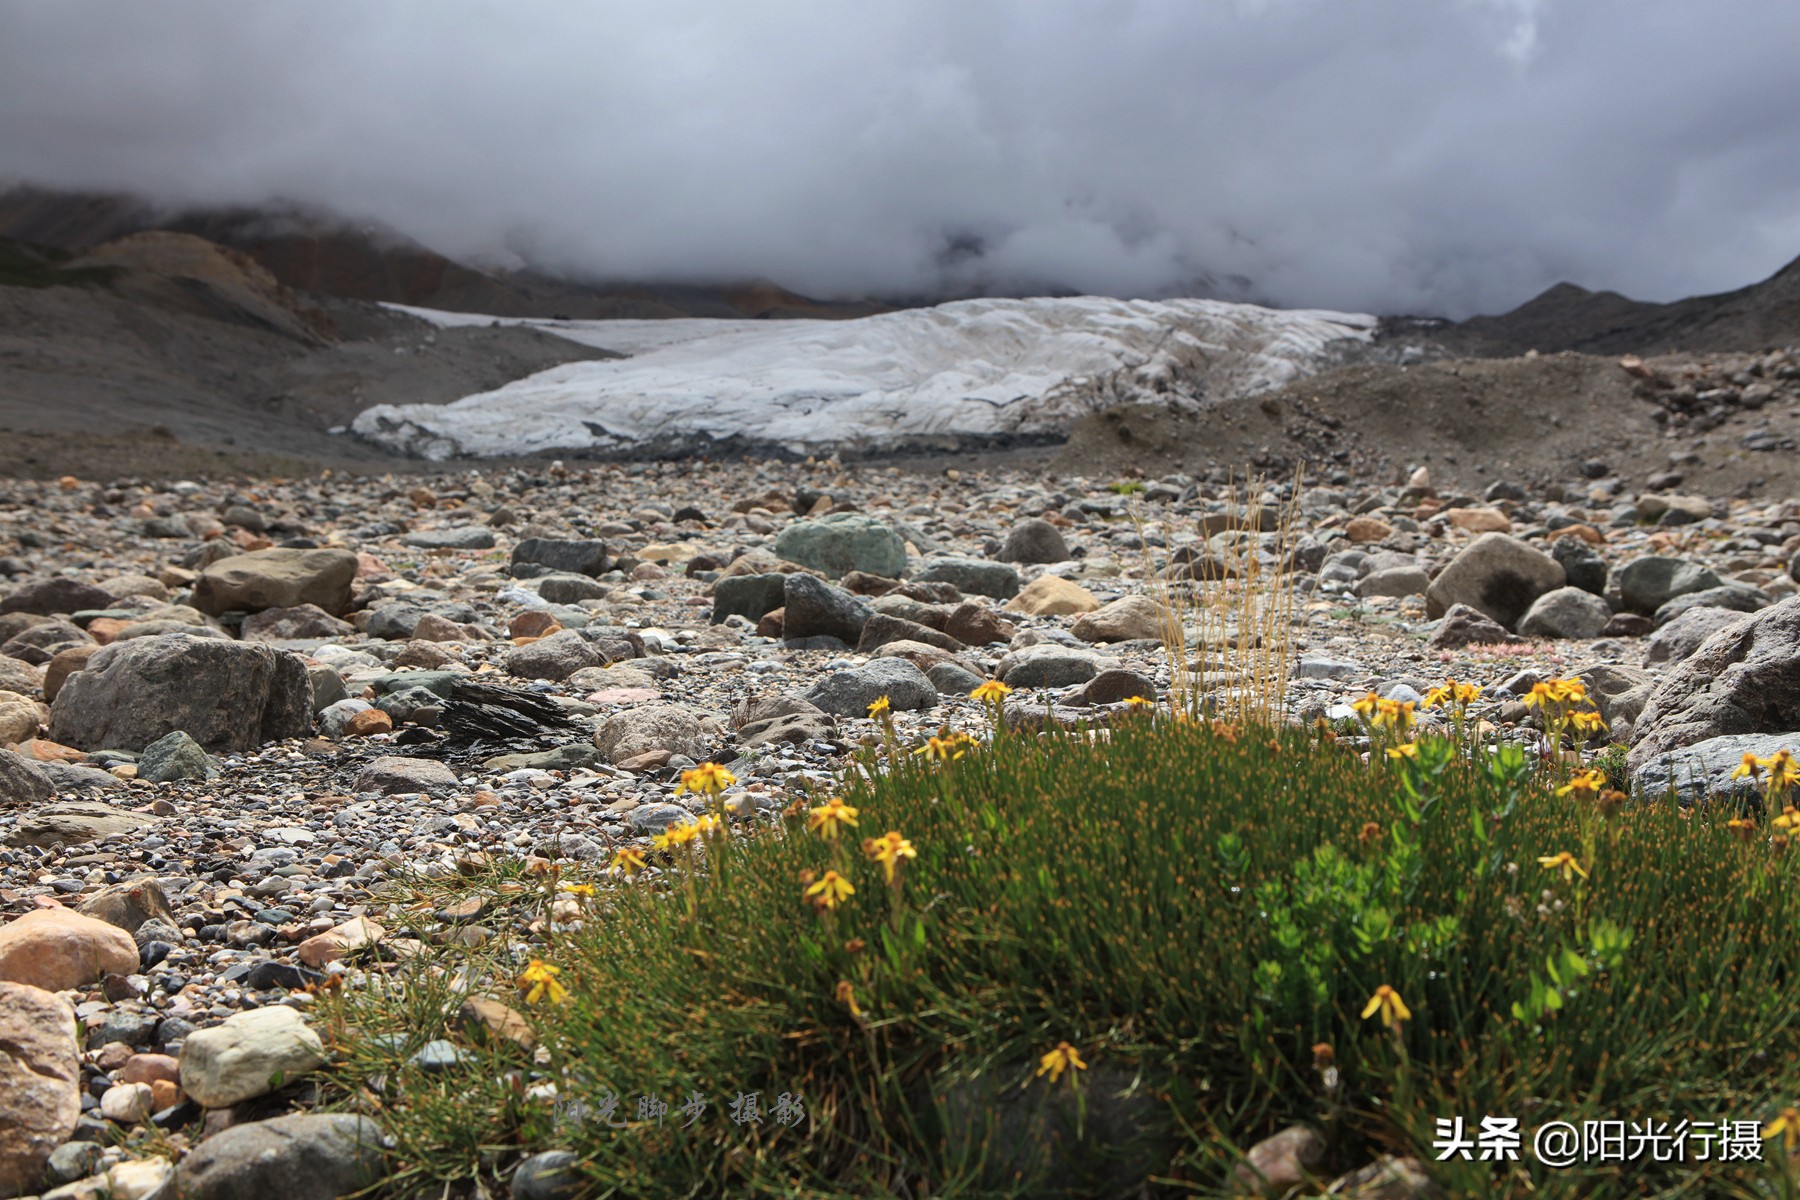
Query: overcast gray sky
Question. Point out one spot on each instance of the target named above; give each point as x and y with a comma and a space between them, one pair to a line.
1389, 155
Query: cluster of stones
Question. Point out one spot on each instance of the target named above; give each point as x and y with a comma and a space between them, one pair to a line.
230, 712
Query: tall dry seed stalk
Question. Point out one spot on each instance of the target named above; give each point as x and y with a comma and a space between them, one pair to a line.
1235, 604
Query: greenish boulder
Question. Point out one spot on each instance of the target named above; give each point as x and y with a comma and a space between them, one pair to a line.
174, 757
839, 543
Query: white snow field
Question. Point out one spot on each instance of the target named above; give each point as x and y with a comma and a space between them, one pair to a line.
967, 372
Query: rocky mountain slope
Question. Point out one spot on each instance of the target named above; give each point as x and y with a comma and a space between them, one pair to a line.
1566, 317
322, 252
167, 332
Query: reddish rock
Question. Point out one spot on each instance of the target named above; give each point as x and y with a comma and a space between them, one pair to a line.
532, 623
1367, 529
40, 1083
1479, 520
368, 721
433, 628
105, 630
333, 944
56, 949
772, 623
64, 664
148, 1068
976, 625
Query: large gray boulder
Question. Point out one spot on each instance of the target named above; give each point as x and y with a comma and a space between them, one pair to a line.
75, 823
1582, 564
1743, 679
1393, 581
577, 556
839, 543
1034, 540
849, 693
227, 696
1050, 664
1567, 612
22, 781
57, 594
556, 657
973, 576
302, 1156
1737, 597
747, 596
1705, 768
1683, 635
293, 624
813, 608
655, 726
277, 578
1495, 574
1646, 584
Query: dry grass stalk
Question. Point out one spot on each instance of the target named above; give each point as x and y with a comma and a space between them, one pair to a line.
1234, 604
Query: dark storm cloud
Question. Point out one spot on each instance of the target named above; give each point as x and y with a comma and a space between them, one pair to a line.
1393, 155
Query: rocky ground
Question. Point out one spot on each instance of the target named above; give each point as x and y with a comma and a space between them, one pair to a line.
240, 712
1719, 424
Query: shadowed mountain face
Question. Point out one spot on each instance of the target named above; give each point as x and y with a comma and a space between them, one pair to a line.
1761, 316
163, 331
317, 252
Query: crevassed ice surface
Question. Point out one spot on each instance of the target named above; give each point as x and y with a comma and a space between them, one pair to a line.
971, 369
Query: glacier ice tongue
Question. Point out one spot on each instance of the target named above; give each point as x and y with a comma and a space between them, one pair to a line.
970, 370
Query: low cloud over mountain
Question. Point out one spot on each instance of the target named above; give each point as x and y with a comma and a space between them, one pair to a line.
1448, 156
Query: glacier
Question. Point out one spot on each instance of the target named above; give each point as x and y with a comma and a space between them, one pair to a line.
968, 372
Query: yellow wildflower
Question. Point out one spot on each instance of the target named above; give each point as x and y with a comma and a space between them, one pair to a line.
887, 850
1365, 707
879, 705
1786, 1126
1138, 701
578, 889
846, 995
1539, 695
1783, 771
1742, 829
1588, 722
1452, 692
541, 977
992, 691
1565, 862
1410, 750
1387, 1002
831, 889
1064, 1058
1788, 821
1568, 691
708, 778
1585, 785
1750, 767
826, 818
676, 835
943, 749
1394, 714
627, 861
